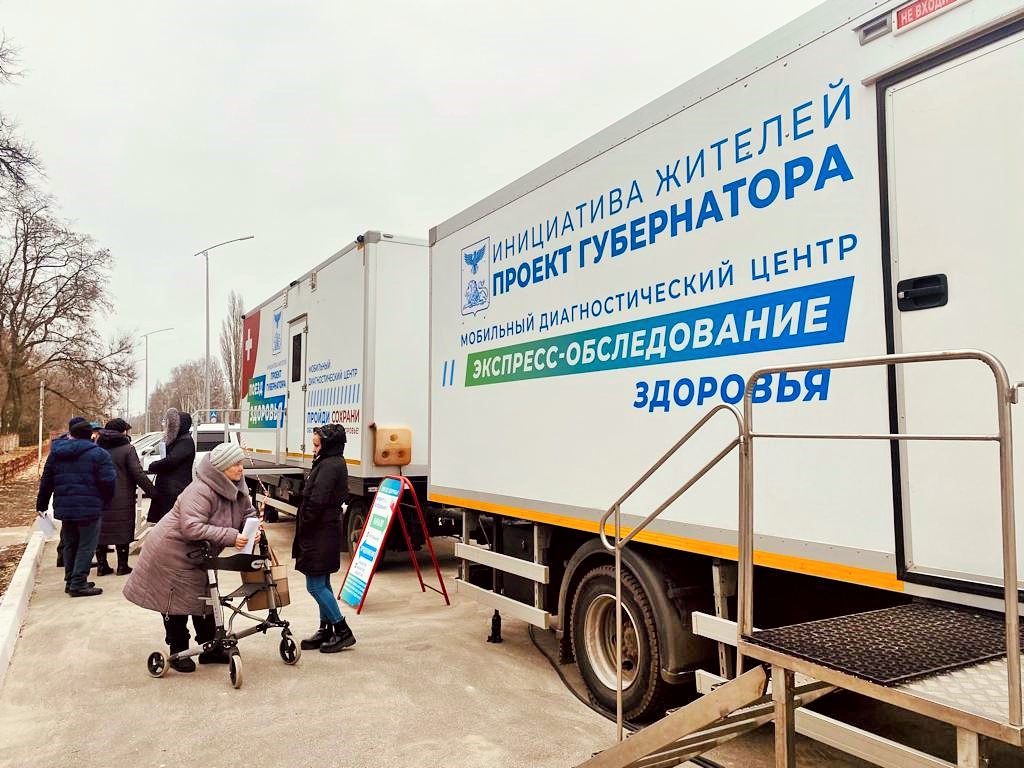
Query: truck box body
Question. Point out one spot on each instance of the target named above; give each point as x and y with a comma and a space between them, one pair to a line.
345, 343
802, 201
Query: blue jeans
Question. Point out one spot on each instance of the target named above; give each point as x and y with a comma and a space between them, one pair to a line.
320, 588
80, 540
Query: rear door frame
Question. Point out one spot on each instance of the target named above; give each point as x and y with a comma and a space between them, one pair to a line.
900, 521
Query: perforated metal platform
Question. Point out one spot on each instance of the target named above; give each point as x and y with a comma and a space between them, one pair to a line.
894, 645
980, 689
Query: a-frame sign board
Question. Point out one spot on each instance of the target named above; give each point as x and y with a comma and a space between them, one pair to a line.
363, 562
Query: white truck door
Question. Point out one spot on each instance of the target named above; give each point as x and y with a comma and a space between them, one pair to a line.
296, 421
955, 174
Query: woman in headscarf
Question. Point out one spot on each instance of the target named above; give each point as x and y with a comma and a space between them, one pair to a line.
317, 544
174, 471
166, 579
118, 529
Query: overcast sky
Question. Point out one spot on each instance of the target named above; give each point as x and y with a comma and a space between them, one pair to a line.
166, 127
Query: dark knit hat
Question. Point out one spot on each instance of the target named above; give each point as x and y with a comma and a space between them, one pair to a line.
75, 420
118, 425
81, 429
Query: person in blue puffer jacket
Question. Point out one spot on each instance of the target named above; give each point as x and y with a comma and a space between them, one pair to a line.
80, 476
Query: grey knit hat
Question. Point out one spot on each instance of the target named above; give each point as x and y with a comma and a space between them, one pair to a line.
226, 455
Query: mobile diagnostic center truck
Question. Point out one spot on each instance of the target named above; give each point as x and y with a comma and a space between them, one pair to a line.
850, 186
344, 343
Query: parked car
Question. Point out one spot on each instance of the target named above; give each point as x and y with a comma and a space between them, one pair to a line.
208, 437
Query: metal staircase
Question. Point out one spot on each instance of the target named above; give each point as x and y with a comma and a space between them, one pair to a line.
732, 709
958, 666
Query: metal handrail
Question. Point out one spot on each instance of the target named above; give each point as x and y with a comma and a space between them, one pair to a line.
621, 542
1005, 396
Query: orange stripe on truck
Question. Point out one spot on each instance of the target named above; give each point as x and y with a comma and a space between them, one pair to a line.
848, 573
353, 462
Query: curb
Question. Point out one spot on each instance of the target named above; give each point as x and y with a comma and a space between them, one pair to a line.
15, 601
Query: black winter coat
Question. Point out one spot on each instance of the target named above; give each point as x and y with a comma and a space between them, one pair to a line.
173, 474
317, 544
80, 476
119, 515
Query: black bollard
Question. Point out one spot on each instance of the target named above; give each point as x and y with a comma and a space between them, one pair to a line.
495, 628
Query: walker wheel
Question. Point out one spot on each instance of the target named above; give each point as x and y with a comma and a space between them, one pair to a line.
235, 669
289, 650
156, 664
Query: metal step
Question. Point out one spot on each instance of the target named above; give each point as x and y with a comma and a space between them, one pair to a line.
728, 728
730, 710
893, 645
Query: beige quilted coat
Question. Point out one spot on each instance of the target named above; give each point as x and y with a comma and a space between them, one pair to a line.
166, 579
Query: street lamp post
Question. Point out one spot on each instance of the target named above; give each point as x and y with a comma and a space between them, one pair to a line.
205, 253
146, 380
39, 448
128, 395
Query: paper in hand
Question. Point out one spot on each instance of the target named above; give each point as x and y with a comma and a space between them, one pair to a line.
45, 523
249, 530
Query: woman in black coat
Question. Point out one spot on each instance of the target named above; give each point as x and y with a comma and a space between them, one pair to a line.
174, 471
118, 527
317, 544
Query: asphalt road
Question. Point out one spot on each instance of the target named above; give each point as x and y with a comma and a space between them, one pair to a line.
421, 687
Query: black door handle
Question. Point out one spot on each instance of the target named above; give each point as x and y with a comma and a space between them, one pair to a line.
925, 292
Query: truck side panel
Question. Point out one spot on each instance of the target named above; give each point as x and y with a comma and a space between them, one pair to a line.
400, 360
335, 359
591, 321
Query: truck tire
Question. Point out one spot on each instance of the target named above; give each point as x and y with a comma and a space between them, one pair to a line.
355, 519
644, 693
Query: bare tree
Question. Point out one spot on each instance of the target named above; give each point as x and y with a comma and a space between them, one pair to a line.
52, 282
186, 389
231, 348
18, 160
160, 399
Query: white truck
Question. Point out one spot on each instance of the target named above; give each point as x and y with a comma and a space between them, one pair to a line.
344, 343
850, 186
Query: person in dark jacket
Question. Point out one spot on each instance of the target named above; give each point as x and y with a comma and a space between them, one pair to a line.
317, 544
66, 436
174, 471
119, 516
80, 477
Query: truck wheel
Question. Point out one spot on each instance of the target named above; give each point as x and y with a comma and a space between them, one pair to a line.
355, 519
644, 693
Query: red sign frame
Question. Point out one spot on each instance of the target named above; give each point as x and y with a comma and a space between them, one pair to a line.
918, 11
406, 485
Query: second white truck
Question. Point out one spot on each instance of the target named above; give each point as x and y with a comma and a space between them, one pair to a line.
343, 343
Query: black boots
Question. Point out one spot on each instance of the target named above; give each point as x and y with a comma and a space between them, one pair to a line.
340, 639
319, 637
86, 591
102, 566
216, 656
122, 560
182, 665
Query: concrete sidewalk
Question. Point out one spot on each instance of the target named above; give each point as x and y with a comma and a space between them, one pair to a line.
421, 687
